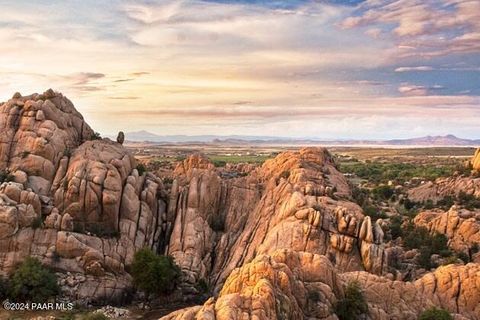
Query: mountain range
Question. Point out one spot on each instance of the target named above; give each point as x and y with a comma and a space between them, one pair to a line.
447, 140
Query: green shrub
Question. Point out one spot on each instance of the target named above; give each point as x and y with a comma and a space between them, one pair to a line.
167, 180
141, 169
96, 136
353, 304
202, 286
31, 281
396, 227
446, 203
425, 258
428, 205
6, 176
417, 237
219, 163
24, 154
4, 287
285, 174
469, 201
154, 274
409, 204
450, 260
428, 244
475, 248
435, 314
382, 193
37, 222
360, 196
374, 213
463, 256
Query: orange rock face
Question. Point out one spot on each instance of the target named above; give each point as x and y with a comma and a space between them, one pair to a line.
461, 226
300, 285
97, 210
297, 201
476, 160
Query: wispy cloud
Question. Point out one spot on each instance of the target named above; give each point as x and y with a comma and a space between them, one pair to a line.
432, 28
415, 90
420, 68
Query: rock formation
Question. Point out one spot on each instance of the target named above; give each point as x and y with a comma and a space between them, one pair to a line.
443, 187
462, 227
120, 137
297, 201
77, 204
476, 160
450, 186
300, 285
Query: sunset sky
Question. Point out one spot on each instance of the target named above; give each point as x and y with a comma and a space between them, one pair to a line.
317, 69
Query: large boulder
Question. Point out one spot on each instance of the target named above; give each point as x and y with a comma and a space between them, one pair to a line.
72, 200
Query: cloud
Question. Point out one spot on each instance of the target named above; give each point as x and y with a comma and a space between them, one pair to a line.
408, 69
414, 90
433, 28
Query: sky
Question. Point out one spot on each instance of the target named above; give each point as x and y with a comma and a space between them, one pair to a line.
332, 69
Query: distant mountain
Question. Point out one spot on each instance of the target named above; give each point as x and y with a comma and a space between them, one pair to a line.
448, 140
152, 137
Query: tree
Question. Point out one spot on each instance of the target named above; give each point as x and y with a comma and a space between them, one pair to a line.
154, 274
32, 281
141, 169
382, 192
353, 304
435, 314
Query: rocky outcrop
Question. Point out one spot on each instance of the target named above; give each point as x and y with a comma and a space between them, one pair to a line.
455, 288
300, 285
76, 202
444, 187
36, 132
476, 160
297, 201
449, 187
461, 226
285, 285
